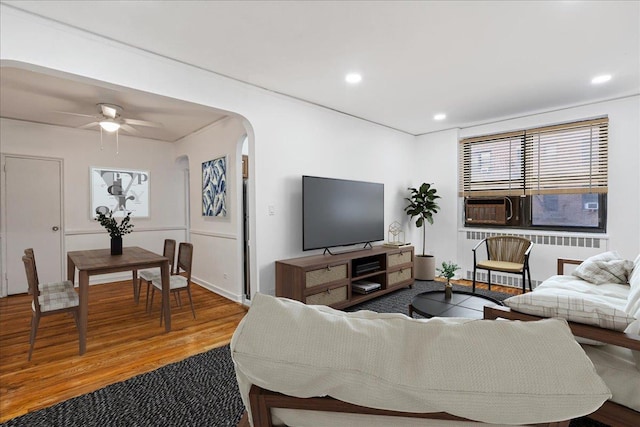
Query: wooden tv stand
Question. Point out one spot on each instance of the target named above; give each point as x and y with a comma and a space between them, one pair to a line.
327, 279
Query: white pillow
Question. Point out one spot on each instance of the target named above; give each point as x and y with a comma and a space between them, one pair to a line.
484, 370
606, 267
633, 299
571, 305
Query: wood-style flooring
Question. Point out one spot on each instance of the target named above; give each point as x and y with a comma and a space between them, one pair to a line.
122, 341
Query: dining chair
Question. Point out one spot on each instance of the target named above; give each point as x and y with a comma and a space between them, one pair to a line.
147, 276
508, 254
46, 287
47, 303
179, 281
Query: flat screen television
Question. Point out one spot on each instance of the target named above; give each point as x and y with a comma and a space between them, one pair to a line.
338, 212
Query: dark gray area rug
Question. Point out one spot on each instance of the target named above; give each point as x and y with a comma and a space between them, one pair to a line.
198, 391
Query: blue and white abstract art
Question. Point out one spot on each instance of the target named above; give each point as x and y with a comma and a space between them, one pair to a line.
214, 187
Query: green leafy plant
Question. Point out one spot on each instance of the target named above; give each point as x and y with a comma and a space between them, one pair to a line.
448, 270
422, 204
111, 224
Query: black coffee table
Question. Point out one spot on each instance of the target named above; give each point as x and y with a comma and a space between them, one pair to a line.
461, 304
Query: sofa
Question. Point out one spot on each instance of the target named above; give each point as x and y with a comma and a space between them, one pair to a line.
303, 365
601, 301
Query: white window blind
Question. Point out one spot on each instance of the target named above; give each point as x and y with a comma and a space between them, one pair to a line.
561, 159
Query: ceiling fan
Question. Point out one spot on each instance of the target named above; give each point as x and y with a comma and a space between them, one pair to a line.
110, 119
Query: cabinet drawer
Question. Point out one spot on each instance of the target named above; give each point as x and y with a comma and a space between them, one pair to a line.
399, 276
324, 275
399, 259
328, 297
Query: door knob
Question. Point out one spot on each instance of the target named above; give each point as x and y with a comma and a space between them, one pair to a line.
55, 228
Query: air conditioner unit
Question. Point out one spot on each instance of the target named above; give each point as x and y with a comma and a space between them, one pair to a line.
496, 211
591, 206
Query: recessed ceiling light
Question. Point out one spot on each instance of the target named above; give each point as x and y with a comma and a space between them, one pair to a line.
601, 79
353, 78
440, 116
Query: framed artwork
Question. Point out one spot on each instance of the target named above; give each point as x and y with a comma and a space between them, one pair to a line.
120, 191
214, 187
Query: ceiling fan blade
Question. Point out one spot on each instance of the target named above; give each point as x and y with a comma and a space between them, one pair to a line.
143, 123
75, 114
129, 129
89, 125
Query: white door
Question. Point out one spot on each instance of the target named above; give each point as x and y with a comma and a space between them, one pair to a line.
33, 212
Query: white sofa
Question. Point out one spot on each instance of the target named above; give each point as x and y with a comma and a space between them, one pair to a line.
301, 365
603, 292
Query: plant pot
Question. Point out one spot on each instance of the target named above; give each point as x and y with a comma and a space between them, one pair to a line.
424, 267
116, 246
448, 291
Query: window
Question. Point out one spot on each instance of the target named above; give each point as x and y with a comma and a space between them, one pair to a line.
556, 174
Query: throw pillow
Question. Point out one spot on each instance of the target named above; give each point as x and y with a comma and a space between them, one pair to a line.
606, 267
633, 300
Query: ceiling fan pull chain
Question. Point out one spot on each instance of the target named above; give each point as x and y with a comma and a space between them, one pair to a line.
117, 142
101, 146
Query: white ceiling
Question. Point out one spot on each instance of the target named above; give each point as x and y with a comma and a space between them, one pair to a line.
475, 61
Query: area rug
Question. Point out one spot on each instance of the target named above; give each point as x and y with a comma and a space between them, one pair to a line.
198, 391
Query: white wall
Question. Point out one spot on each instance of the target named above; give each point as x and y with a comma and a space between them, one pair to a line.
216, 262
80, 149
623, 229
299, 139
435, 162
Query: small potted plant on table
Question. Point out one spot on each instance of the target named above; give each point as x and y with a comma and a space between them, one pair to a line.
448, 270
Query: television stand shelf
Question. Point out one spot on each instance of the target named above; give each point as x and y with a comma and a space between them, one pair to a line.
327, 279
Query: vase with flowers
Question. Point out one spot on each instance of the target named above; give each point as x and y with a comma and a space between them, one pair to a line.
448, 270
116, 230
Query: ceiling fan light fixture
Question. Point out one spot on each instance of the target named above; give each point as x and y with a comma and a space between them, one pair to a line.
109, 125
353, 78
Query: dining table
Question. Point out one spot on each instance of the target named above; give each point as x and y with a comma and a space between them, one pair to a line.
100, 261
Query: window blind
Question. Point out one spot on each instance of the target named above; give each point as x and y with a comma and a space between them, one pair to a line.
560, 159
492, 165
569, 158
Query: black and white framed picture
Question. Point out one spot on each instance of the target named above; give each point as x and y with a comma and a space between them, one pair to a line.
120, 191
214, 187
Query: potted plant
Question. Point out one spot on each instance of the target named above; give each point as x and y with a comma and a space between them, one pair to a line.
115, 230
448, 270
422, 204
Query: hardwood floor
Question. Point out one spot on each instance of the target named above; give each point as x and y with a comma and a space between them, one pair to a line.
122, 341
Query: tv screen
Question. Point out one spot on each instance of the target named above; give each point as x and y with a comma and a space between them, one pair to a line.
338, 212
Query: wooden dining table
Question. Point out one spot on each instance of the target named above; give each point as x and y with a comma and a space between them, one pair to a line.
100, 261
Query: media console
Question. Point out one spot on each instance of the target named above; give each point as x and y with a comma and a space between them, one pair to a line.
328, 279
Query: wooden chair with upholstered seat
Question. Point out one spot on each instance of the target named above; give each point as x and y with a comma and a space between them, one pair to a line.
169, 251
508, 254
179, 281
46, 287
47, 303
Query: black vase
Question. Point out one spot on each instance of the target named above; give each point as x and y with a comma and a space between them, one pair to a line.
116, 246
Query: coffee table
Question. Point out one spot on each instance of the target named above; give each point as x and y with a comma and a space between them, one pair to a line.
461, 304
